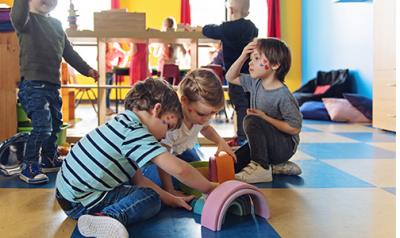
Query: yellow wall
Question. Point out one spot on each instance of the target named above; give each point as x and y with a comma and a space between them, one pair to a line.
291, 34
156, 10
8, 2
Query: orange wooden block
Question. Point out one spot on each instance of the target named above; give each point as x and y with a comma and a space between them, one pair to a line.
221, 168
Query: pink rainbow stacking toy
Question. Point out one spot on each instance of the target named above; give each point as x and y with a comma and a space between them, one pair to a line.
220, 199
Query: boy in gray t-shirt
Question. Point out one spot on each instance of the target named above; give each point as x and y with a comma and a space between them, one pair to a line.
273, 122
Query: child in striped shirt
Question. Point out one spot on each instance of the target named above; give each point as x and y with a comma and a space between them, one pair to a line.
100, 182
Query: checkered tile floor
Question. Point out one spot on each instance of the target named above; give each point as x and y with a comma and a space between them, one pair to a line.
347, 189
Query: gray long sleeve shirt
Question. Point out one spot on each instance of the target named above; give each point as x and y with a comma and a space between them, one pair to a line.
43, 43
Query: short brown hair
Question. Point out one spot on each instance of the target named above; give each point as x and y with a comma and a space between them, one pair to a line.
202, 85
146, 94
170, 22
278, 53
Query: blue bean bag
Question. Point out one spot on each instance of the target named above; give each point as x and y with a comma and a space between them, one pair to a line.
314, 110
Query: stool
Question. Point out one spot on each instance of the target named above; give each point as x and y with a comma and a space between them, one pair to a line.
118, 74
171, 71
83, 91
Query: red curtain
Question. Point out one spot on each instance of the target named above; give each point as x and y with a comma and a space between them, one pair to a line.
115, 4
138, 69
185, 12
274, 28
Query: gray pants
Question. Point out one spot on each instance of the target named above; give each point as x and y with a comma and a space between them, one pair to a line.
266, 144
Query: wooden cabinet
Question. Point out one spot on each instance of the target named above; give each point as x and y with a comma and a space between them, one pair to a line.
9, 76
384, 82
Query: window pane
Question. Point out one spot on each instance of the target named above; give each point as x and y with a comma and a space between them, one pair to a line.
259, 16
85, 12
207, 12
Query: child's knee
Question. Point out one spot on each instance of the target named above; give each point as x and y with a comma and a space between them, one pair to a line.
251, 122
153, 202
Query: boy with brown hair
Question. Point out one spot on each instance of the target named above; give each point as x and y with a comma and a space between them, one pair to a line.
100, 181
273, 121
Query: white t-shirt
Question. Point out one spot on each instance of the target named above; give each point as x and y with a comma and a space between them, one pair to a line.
182, 138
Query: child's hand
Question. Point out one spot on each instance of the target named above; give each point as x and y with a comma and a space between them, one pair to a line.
93, 74
223, 146
256, 112
176, 192
248, 49
174, 201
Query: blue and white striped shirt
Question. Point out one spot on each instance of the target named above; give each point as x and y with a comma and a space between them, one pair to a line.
106, 158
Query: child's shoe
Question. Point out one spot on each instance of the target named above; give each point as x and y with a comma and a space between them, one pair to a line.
254, 173
287, 168
32, 174
101, 227
50, 165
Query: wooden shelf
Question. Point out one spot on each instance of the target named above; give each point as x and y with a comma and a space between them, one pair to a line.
100, 38
9, 76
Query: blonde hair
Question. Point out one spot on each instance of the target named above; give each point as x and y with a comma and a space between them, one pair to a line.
202, 85
242, 6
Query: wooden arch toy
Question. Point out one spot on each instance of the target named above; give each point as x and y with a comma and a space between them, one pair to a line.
221, 198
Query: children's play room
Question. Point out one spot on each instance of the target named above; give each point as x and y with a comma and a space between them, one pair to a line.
198, 118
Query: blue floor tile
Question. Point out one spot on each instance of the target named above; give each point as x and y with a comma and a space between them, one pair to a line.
345, 151
316, 174
390, 190
15, 182
370, 137
177, 223
308, 129
317, 122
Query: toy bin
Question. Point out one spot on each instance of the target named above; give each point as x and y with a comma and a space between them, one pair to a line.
22, 118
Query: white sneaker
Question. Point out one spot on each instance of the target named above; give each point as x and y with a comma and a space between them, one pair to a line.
254, 173
287, 168
101, 227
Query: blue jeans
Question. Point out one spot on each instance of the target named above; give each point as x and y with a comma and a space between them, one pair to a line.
190, 155
109, 81
42, 103
126, 203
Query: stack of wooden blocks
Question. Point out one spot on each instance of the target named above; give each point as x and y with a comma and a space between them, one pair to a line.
119, 21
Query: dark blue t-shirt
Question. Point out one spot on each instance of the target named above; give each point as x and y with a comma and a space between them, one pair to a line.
235, 35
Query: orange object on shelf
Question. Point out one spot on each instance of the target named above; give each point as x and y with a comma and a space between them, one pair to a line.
67, 95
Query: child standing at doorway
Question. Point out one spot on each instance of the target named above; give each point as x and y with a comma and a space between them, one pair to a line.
43, 43
274, 121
